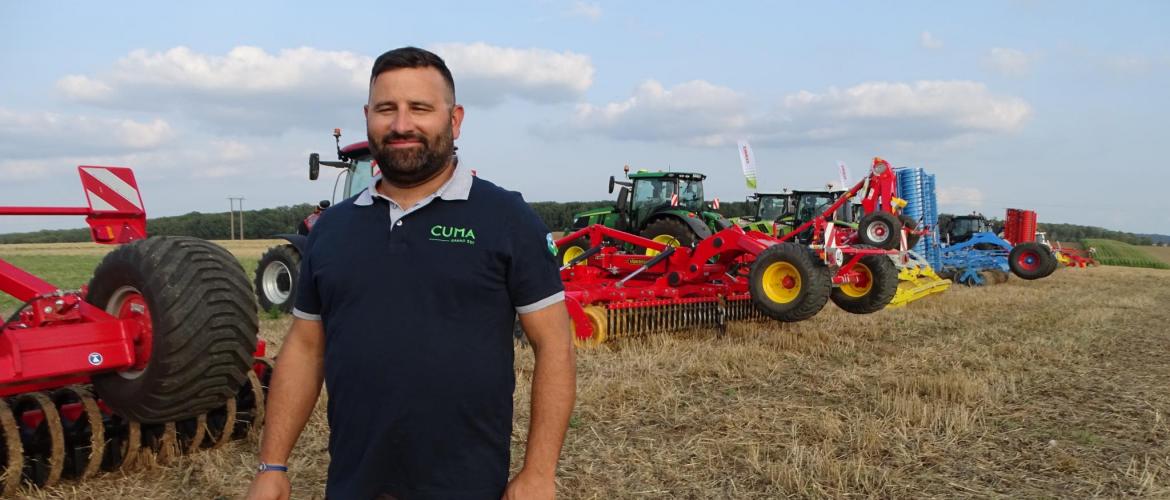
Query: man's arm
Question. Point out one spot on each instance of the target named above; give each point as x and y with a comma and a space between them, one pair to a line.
554, 387
293, 393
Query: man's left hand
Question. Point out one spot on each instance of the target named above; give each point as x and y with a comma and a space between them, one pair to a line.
527, 485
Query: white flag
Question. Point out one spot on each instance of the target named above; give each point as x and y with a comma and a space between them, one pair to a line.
843, 174
747, 159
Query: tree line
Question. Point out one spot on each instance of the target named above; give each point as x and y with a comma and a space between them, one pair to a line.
267, 222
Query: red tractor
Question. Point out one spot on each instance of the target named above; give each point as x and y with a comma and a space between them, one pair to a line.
156, 355
276, 275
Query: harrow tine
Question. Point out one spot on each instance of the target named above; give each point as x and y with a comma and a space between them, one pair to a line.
85, 439
13, 451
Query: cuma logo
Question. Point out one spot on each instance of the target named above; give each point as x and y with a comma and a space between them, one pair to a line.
451, 234
552, 245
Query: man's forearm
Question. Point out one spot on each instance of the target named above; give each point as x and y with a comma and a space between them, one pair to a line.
292, 395
554, 387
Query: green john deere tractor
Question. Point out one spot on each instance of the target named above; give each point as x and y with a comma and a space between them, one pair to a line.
666, 207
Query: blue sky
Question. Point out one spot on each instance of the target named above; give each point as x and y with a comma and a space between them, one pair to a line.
1056, 106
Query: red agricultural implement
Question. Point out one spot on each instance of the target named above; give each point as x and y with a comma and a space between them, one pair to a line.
157, 355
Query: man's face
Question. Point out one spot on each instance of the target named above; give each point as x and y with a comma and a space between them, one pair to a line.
411, 124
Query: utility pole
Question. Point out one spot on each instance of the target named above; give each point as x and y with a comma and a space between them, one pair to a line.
232, 217
241, 218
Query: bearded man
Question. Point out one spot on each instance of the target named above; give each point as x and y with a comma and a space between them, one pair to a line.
404, 310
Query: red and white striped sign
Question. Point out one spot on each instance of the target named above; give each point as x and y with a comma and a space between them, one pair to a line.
111, 189
674, 200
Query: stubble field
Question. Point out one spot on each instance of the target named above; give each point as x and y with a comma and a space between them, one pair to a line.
1052, 388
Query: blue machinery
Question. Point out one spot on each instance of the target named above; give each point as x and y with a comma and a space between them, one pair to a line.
975, 262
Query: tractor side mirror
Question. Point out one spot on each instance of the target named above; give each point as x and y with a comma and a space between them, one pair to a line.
611, 181
314, 166
623, 200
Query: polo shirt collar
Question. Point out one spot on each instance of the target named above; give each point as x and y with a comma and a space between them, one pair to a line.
458, 187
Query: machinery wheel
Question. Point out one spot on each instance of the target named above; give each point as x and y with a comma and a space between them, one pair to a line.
788, 283
880, 229
596, 315
573, 249
910, 224
276, 278
878, 286
670, 231
12, 453
1031, 260
1052, 262
198, 322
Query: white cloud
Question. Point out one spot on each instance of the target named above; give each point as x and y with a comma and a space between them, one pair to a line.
486, 74
588, 10
1010, 62
701, 113
695, 112
960, 199
929, 41
26, 134
250, 90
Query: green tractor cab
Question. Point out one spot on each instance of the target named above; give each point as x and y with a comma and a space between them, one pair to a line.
768, 209
667, 207
777, 214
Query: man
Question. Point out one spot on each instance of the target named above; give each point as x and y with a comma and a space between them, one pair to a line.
405, 309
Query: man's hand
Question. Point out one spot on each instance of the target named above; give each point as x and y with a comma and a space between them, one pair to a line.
270, 486
528, 485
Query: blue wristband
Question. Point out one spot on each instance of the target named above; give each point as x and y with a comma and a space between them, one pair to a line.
271, 467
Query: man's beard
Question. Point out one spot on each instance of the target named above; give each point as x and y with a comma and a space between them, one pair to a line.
410, 167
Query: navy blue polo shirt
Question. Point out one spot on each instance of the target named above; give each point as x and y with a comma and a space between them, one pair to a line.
418, 307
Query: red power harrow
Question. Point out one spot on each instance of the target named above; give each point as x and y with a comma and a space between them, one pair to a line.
156, 356
731, 275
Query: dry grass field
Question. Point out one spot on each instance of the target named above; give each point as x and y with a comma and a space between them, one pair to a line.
1052, 388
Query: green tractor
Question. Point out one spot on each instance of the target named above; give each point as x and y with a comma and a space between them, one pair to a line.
778, 214
769, 209
666, 207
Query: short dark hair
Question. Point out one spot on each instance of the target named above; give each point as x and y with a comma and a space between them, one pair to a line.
412, 57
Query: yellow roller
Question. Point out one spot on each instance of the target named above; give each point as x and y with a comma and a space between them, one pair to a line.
916, 279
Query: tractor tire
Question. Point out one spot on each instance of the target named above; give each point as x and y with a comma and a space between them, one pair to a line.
1053, 262
1031, 260
276, 278
196, 310
910, 224
788, 283
573, 249
880, 230
875, 293
670, 231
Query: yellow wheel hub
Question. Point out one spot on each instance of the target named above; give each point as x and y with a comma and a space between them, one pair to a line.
858, 290
781, 282
571, 253
665, 239
597, 320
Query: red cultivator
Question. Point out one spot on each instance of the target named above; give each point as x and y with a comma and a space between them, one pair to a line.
732, 275
156, 356
627, 285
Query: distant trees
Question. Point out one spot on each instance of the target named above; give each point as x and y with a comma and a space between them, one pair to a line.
264, 223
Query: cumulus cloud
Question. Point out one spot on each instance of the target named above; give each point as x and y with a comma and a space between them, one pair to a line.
1009, 62
588, 10
964, 198
250, 90
701, 113
929, 41
486, 74
695, 112
31, 134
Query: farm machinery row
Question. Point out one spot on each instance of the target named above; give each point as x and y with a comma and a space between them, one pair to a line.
157, 355
680, 272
